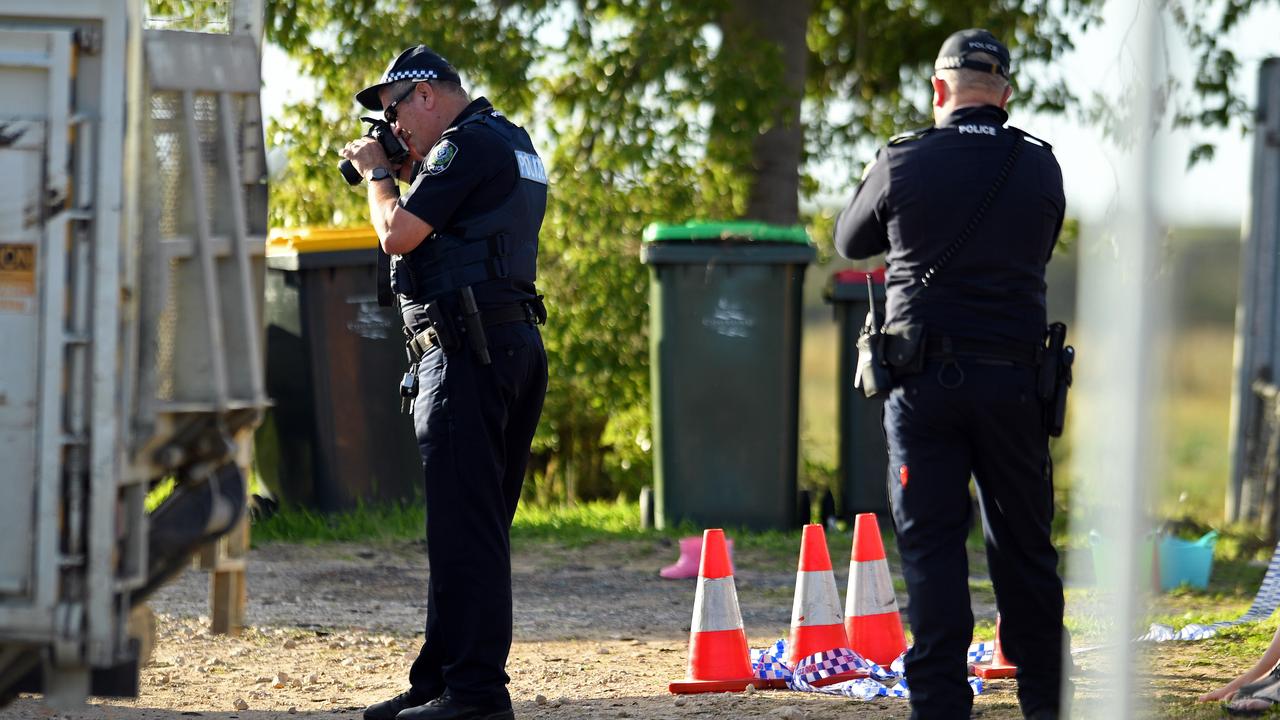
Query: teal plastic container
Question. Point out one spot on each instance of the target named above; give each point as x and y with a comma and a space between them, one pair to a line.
1186, 562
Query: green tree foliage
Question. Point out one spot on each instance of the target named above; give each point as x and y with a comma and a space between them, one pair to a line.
646, 110
1212, 97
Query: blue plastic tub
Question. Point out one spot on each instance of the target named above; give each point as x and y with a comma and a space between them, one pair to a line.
1186, 561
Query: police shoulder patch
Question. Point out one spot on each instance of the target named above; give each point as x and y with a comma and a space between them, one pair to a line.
1032, 138
440, 157
530, 167
909, 136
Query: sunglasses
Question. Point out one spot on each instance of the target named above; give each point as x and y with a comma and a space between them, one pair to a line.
390, 112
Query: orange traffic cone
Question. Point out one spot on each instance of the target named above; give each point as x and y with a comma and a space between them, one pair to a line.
871, 608
719, 660
816, 623
999, 667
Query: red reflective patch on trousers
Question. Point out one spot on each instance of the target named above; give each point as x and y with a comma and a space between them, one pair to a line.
902, 475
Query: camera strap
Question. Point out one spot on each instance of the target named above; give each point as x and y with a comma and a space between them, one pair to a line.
976, 219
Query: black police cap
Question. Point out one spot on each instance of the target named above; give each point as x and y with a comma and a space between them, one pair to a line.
419, 64
958, 49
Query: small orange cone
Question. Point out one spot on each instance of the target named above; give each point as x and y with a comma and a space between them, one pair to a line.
719, 660
816, 622
999, 667
871, 608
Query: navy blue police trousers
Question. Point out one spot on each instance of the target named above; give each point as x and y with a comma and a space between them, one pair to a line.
474, 425
955, 420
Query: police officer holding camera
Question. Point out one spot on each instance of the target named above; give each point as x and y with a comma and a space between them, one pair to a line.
463, 244
968, 212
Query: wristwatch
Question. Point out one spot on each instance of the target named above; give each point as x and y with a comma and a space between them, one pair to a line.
380, 173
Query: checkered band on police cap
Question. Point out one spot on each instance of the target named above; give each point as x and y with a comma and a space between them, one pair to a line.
960, 47
419, 63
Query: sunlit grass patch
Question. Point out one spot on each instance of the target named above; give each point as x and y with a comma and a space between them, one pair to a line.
367, 522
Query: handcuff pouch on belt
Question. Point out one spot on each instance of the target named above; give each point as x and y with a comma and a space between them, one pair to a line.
1054, 378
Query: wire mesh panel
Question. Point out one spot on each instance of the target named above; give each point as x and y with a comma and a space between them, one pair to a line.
210, 16
205, 249
166, 115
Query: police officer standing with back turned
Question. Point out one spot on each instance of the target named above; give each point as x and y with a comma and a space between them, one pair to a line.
968, 212
463, 242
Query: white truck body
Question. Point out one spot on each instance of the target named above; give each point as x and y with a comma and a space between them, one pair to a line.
131, 273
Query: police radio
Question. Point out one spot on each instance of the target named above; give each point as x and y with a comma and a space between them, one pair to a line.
872, 375
380, 130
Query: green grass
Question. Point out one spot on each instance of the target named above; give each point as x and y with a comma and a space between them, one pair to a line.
568, 526
365, 523
571, 526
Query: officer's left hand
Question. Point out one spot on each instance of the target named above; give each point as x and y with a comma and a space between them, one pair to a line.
365, 154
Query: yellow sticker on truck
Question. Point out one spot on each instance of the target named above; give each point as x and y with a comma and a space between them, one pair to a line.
17, 275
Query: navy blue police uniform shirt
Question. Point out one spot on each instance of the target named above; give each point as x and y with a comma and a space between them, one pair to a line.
917, 197
478, 177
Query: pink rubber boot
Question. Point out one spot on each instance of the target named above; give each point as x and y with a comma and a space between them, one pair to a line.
690, 556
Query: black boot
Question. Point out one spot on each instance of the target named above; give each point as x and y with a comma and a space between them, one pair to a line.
447, 708
388, 709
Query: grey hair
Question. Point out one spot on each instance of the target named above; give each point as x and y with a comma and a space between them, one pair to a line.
964, 79
400, 87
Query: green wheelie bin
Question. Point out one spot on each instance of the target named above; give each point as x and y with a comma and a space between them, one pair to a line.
724, 346
864, 458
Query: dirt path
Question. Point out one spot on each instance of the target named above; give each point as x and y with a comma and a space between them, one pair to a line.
598, 635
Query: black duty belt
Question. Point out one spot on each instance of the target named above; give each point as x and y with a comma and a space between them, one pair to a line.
423, 341
944, 347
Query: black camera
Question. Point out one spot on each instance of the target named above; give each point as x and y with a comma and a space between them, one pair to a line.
380, 130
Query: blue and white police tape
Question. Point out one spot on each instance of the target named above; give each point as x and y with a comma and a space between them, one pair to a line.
981, 652
1264, 604
770, 664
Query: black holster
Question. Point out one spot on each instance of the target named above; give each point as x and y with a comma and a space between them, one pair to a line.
872, 376
446, 335
473, 325
1054, 378
886, 355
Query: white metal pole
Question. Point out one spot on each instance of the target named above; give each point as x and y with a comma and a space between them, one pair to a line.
1119, 365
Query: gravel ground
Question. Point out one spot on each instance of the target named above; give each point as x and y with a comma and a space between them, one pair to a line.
332, 628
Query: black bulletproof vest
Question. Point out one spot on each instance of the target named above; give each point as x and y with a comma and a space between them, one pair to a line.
499, 244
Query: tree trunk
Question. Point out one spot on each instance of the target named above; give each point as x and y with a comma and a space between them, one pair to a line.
774, 172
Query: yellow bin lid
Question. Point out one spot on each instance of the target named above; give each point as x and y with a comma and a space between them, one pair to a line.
289, 242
